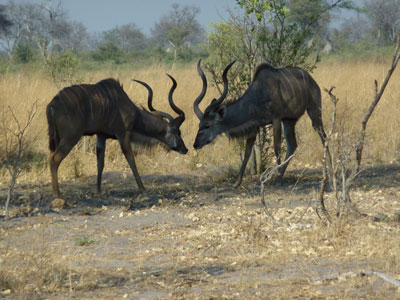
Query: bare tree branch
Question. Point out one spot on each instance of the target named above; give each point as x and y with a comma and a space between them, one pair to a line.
378, 95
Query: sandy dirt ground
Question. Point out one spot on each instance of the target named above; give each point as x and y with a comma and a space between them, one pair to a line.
194, 236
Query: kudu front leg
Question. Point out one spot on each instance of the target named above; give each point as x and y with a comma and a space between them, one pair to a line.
100, 152
277, 133
291, 143
128, 153
249, 146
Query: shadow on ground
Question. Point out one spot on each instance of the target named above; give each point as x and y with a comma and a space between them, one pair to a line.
201, 188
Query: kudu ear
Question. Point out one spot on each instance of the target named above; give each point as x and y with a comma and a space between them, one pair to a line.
221, 113
177, 122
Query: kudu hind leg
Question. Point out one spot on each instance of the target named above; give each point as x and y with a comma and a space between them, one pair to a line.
316, 120
291, 143
128, 153
100, 152
249, 146
319, 128
56, 157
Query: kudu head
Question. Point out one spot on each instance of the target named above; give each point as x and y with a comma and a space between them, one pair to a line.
211, 121
172, 138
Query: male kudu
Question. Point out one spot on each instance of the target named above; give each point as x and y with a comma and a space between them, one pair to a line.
275, 95
105, 109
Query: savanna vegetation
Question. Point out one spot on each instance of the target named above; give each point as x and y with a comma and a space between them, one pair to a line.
192, 235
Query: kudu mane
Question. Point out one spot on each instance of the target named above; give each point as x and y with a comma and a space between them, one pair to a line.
246, 129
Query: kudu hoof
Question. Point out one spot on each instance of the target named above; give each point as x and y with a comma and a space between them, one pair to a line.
237, 184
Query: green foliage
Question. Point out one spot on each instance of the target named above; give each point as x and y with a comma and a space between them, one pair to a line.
263, 32
381, 217
282, 41
108, 52
64, 68
225, 43
83, 241
24, 53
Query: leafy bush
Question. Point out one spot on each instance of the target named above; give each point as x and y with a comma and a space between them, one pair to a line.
108, 52
64, 68
24, 53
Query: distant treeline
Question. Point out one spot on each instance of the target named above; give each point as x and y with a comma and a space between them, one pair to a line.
33, 33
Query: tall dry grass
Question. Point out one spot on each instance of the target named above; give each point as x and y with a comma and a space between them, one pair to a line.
354, 83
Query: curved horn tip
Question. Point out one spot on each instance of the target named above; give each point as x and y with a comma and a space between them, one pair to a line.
230, 65
138, 81
170, 76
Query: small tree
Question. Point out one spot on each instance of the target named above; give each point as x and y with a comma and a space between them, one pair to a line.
15, 145
269, 31
127, 37
24, 53
64, 68
384, 16
178, 29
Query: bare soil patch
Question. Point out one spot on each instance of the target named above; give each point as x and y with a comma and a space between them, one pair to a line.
194, 236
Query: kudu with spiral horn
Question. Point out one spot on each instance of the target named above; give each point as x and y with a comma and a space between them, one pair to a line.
105, 109
275, 96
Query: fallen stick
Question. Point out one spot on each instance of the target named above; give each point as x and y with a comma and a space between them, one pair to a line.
353, 274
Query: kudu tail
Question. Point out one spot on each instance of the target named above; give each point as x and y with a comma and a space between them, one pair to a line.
53, 136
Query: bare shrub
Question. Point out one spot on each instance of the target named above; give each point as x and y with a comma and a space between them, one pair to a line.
341, 164
15, 144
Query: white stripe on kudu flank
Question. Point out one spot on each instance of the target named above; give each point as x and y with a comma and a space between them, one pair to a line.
90, 101
304, 81
104, 101
287, 79
112, 101
75, 98
302, 74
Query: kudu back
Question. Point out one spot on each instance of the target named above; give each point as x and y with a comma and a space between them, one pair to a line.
105, 109
275, 96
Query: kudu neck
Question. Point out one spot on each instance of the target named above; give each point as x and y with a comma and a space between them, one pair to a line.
241, 117
152, 126
239, 112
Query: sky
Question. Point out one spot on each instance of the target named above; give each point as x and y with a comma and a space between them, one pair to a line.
103, 15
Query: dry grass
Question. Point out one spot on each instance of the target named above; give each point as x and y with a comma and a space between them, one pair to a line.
354, 82
194, 236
